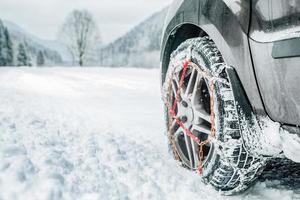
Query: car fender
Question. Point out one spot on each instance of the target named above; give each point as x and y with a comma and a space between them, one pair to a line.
227, 25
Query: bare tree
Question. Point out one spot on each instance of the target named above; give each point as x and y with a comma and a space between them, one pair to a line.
80, 34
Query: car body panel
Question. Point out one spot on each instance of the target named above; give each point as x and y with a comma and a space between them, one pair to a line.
275, 27
226, 23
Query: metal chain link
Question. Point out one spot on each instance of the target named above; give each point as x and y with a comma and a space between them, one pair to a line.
171, 109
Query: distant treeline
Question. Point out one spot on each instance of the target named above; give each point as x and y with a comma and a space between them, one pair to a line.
140, 47
14, 52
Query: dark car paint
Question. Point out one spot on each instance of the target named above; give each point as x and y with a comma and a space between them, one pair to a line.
230, 23
226, 23
278, 79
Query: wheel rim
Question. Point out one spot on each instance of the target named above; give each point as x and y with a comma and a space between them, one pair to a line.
193, 109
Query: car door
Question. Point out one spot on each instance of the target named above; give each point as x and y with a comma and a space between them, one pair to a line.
275, 48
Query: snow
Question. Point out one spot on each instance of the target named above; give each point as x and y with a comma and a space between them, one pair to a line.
271, 136
94, 133
291, 146
265, 137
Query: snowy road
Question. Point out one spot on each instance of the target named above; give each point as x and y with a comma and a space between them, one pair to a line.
73, 133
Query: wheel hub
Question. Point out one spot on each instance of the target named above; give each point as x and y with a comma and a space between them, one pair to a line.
185, 112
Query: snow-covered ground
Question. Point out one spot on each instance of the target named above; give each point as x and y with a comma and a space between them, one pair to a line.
94, 133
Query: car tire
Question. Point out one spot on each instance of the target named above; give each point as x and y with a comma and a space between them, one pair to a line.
226, 164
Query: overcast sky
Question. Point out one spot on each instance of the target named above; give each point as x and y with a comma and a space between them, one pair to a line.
114, 17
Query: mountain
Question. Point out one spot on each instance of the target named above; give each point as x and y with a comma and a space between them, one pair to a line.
140, 47
35, 44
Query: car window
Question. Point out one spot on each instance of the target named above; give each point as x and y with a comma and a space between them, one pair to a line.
279, 19
278, 14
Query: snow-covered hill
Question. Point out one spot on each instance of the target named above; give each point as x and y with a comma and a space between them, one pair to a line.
96, 133
140, 47
52, 50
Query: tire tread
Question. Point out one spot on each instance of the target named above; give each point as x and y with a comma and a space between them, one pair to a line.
235, 169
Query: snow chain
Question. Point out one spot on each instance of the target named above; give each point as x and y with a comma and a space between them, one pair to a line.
171, 108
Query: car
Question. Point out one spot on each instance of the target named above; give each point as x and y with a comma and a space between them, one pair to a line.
230, 76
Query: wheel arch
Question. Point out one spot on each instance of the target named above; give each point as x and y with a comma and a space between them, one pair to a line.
178, 35
227, 45
187, 31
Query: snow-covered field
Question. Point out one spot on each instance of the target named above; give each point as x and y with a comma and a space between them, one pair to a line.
94, 133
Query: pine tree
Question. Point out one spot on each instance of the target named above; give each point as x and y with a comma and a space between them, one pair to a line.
8, 49
27, 50
40, 60
22, 58
2, 58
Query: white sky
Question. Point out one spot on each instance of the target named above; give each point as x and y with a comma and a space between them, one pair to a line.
114, 17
